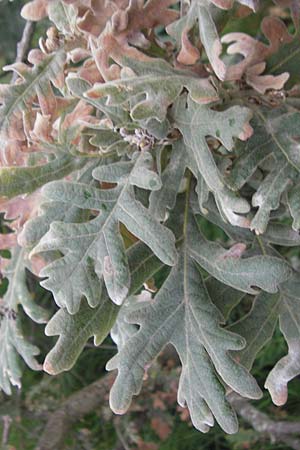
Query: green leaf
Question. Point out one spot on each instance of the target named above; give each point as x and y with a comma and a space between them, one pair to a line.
18, 96
224, 297
209, 38
152, 83
241, 273
294, 205
63, 15
20, 180
95, 248
272, 148
287, 367
268, 195
282, 128
108, 140
251, 154
79, 86
163, 200
197, 122
257, 327
286, 59
183, 314
17, 292
34, 229
74, 330
276, 232
281, 234
14, 344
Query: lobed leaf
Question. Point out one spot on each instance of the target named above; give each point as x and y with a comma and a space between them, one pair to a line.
18, 97
287, 367
183, 314
95, 248
151, 83
74, 330
14, 344
196, 123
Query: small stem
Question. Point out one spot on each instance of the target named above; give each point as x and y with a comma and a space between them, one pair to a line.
7, 420
261, 245
120, 434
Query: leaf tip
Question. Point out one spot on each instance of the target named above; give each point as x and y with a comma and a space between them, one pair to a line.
47, 367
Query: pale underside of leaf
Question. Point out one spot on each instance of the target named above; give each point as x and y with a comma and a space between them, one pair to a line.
95, 248
183, 314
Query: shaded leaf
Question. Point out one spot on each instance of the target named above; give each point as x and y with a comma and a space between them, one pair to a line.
294, 205
241, 273
163, 200
224, 297
75, 330
197, 122
20, 180
258, 326
287, 367
14, 344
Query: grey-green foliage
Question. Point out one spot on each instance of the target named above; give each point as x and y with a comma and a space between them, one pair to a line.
95, 248
18, 180
36, 82
272, 149
13, 342
170, 151
258, 326
74, 330
149, 84
196, 123
183, 314
288, 367
79, 228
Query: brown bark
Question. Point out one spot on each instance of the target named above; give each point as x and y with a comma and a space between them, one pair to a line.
72, 409
93, 396
275, 430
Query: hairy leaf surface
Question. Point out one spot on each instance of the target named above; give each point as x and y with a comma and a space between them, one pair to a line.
182, 314
96, 247
13, 342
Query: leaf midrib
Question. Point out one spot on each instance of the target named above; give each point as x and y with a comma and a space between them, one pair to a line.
22, 97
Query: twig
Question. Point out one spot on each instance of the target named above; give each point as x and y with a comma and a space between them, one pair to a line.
7, 420
276, 430
92, 397
24, 45
120, 434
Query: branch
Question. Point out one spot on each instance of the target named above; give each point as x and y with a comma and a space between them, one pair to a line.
24, 45
260, 422
7, 420
74, 408
93, 396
